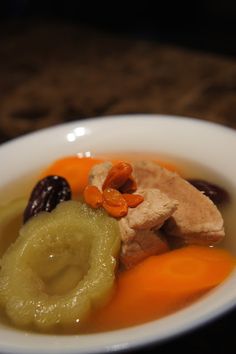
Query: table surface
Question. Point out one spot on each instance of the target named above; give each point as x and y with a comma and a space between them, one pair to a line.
54, 72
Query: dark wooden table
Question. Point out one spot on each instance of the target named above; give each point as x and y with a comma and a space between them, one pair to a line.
53, 73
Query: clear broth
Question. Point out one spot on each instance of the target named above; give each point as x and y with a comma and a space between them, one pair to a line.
23, 186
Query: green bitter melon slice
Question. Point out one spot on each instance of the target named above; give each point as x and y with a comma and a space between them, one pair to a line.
72, 242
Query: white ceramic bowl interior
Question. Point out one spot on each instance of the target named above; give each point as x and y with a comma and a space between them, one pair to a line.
209, 144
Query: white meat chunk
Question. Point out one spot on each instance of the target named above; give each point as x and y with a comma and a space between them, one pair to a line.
138, 228
197, 220
98, 174
145, 243
156, 208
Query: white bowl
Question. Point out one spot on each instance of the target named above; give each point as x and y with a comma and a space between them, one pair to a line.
198, 141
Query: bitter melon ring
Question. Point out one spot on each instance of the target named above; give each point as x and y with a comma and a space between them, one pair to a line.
72, 238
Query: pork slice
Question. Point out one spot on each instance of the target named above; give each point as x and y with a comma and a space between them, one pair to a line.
197, 220
98, 174
151, 213
138, 228
145, 243
156, 208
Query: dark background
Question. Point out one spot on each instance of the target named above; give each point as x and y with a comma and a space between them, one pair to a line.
66, 60
206, 25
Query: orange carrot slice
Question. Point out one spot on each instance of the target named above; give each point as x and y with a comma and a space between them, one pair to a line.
75, 169
162, 284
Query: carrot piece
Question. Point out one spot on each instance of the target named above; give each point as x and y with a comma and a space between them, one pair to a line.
117, 175
93, 196
162, 284
114, 210
75, 169
113, 197
133, 200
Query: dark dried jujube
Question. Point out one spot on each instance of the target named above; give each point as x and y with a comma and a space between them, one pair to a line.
46, 195
217, 194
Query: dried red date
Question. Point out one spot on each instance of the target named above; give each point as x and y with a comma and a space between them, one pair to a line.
217, 194
46, 194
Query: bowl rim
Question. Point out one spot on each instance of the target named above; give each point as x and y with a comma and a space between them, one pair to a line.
118, 117
125, 339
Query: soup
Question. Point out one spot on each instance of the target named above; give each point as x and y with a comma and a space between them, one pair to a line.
61, 284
